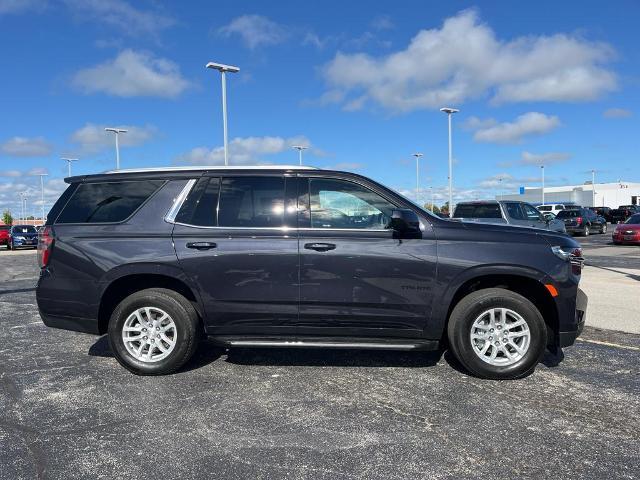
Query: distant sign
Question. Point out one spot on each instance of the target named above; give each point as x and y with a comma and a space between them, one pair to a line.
521, 190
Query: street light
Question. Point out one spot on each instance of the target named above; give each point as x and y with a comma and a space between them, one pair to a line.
431, 198
117, 132
23, 202
300, 148
42, 175
418, 155
223, 69
542, 168
69, 161
449, 111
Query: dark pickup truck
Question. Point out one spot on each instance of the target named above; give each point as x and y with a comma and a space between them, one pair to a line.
623, 212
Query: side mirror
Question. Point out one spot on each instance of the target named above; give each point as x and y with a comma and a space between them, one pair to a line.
405, 223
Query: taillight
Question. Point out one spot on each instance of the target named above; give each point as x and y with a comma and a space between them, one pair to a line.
45, 244
578, 220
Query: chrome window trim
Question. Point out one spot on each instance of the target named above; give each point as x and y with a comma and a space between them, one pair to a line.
170, 217
284, 228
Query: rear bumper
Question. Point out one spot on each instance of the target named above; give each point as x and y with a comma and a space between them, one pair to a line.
84, 325
566, 337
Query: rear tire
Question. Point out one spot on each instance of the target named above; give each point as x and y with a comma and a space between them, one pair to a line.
515, 358
166, 318
604, 228
585, 232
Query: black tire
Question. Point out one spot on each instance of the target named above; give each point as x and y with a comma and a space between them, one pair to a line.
604, 228
10, 246
471, 307
586, 231
181, 312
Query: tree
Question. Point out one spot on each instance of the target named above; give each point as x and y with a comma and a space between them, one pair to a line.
445, 209
7, 218
434, 208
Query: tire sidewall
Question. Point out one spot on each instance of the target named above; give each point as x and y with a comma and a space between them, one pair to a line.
518, 304
184, 332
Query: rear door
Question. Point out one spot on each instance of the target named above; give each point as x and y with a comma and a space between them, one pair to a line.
235, 237
355, 278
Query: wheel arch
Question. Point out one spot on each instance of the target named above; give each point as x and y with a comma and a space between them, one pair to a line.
117, 288
524, 281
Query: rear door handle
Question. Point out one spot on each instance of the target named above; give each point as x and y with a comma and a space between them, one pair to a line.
202, 245
320, 247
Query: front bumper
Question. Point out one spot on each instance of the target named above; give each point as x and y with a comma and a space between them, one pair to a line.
566, 338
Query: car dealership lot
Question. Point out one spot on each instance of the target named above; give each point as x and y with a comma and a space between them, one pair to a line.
69, 411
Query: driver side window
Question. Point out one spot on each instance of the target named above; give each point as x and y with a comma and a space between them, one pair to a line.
531, 212
343, 204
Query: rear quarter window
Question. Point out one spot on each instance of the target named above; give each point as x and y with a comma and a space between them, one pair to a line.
568, 214
108, 202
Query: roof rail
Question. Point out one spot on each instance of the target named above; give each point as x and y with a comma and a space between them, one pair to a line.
213, 167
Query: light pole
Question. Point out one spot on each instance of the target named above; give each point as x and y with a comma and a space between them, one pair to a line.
431, 198
418, 155
449, 111
117, 132
223, 69
300, 148
22, 205
42, 175
542, 168
593, 187
69, 161
499, 188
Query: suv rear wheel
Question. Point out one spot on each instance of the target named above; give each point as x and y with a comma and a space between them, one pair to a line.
154, 331
586, 231
498, 334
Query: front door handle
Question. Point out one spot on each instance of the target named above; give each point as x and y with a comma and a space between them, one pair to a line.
202, 245
320, 247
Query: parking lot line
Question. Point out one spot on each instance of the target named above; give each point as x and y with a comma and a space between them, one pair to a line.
609, 344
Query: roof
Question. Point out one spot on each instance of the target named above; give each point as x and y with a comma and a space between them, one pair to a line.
212, 167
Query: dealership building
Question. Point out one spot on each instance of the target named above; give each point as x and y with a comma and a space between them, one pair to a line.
606, 194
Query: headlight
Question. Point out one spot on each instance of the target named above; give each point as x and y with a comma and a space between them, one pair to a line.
570, 254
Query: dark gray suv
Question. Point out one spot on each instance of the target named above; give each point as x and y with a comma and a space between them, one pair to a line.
298, 257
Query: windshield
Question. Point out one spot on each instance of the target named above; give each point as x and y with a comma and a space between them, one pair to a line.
634, 219
24, 229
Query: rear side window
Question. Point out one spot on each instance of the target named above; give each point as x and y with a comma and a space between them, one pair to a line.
201, 206
568, 214
514, 211
478, 211
530, 212
546, 208
255, 202
107, 202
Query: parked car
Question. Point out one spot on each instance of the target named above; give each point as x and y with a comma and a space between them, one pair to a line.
506, 211
582, 222
628, 232
248, 257
603, 212
623, 212
551, 207
23, 236
4, 235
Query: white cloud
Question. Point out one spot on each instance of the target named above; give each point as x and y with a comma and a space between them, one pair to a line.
254, 30
10, 173
506, 181
617, 113
382, 22
131, 74
243, 151
121, 15
92, 138
27, 182
21, 6
544, 158
26, 147
531, 123
465, 60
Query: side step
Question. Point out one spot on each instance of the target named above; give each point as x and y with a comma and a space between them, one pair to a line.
344, 343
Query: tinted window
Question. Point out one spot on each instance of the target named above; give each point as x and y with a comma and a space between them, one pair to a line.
342, 204
568, 214
514, 211
559, 207
545, 208
530, 212
107, 202
491, 210
251, 202
200, 207
634, 219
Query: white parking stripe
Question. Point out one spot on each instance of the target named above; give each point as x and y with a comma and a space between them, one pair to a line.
608, 344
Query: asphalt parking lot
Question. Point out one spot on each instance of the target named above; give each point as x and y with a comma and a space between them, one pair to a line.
68, 410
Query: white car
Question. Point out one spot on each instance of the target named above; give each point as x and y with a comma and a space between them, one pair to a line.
551, 207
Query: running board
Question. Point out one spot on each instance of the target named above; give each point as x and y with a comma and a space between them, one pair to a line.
345, 344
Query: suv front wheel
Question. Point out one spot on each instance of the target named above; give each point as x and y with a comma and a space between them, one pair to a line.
154, 331
497, 334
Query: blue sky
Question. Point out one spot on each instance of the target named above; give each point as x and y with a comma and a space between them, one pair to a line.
536, 82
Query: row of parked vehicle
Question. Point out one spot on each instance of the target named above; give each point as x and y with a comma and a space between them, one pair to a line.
15, 236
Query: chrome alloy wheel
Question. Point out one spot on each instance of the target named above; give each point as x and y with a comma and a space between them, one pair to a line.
500, 337
149, 334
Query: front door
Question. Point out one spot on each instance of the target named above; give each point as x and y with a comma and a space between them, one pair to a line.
355, 278
533, 217
232, 239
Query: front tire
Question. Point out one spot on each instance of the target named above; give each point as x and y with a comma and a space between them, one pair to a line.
585, 232
497, 334
154, 332
604, 228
